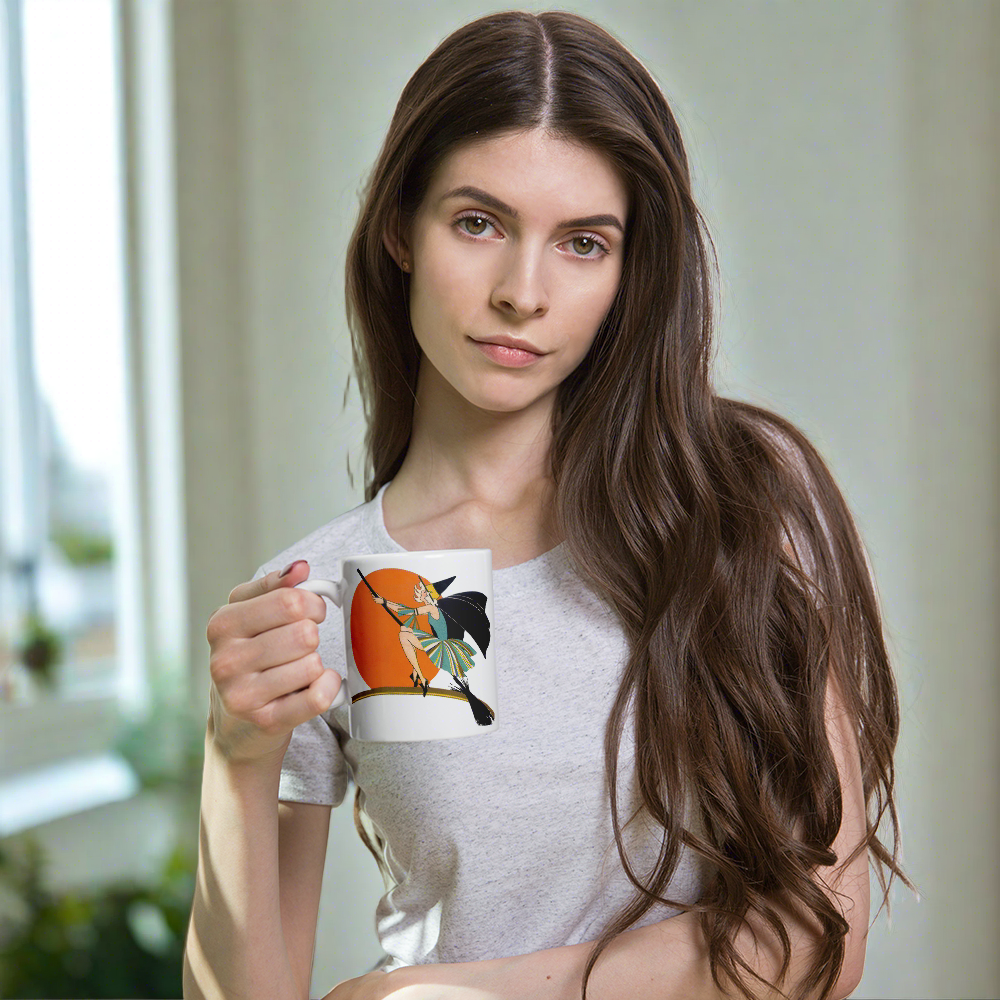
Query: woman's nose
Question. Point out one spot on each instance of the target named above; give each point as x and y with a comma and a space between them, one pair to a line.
521, 288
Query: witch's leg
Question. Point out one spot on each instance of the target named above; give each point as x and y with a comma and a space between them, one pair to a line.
410, 645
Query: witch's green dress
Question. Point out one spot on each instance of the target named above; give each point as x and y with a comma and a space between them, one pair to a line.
444, 653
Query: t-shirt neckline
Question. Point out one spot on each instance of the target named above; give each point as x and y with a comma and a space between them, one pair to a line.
509, 578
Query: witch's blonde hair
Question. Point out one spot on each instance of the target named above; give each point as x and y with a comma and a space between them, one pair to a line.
429, 587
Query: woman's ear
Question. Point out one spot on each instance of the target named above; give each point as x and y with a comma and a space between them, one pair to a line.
395, 243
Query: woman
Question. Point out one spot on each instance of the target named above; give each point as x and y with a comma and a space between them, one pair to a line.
530, 298
453, 655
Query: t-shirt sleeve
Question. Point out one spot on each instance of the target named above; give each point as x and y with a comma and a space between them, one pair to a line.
314, 769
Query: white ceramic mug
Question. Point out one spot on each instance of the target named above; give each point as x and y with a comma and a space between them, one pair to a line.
417, 631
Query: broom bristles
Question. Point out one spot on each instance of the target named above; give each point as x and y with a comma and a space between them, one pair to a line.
481, 712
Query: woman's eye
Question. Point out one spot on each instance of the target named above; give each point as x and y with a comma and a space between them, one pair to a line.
587, 244
476, 221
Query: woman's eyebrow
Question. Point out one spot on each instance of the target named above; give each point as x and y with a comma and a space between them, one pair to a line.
468, 191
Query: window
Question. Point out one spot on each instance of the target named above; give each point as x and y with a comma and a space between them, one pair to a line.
64, 484
84, 438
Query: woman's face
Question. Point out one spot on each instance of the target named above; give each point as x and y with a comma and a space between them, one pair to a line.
519, 236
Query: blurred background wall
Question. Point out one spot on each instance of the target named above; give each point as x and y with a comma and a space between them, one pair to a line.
846, 156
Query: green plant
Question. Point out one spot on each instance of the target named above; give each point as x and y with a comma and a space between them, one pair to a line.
40, 649
124, 940
165, 747
83, 548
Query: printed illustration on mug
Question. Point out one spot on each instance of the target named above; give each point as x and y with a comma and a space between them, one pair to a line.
405, 631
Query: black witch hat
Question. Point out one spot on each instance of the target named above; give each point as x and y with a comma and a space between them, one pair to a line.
465, 612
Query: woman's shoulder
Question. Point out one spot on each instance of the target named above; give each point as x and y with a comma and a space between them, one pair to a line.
346, 534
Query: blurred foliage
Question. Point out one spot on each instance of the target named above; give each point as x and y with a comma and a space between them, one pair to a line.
40, 649
166, 746
83, 548
124, 939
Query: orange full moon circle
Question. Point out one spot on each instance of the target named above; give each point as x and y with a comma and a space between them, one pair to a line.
375, 634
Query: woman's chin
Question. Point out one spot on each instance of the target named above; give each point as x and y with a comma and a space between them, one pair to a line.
507, 403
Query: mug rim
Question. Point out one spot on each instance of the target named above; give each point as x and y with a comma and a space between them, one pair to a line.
354, 557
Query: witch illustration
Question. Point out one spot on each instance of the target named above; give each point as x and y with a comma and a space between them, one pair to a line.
449, 619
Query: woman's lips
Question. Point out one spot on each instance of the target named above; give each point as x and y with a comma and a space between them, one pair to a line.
509, 357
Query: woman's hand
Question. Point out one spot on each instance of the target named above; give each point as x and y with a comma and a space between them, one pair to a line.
266, 674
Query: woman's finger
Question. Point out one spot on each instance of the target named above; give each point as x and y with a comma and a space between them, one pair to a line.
253, 616
256, 690
282, 644
288, 711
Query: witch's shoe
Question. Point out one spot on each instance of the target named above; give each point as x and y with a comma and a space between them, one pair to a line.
426, 685
413, 677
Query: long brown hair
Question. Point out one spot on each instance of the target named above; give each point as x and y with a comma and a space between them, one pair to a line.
712, 526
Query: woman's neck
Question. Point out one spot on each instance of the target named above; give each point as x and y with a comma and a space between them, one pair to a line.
474, 479
516, 526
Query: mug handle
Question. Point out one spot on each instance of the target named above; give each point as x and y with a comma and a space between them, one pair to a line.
334, 591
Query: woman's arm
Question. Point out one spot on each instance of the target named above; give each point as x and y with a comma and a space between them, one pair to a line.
260, 872
256, 901
260, 864
303, 832
235, 944
666, 960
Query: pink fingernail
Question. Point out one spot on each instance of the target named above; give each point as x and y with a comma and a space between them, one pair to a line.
289, 568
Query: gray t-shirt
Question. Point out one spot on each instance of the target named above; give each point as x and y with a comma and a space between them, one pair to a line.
497, 844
